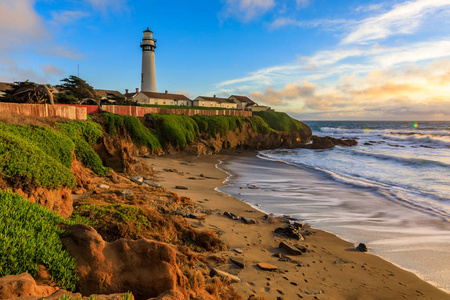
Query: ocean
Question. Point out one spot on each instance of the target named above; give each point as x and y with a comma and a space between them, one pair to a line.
391, 191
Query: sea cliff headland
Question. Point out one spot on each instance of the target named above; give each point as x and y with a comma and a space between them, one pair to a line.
121, 207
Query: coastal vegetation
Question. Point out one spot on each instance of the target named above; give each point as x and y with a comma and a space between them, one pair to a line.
29, 236
37, 154
85, 135
280, 121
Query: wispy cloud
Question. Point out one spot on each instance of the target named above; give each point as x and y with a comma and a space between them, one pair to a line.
325, 24
404, 18
67, 17
105, 5
246, 10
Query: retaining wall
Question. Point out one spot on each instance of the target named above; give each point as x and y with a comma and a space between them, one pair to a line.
139, 111
44, 110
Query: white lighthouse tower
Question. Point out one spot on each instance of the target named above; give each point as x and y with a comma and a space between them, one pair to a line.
148, 79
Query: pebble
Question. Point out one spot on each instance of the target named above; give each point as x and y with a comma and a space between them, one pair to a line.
103, 186
181, 187
239, 261
127, 193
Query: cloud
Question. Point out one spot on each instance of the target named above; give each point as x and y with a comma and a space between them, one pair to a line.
105, 5
290, 92
326, 24
60, 51
19, 23
67, 17
246, 10
51, 70
404, 18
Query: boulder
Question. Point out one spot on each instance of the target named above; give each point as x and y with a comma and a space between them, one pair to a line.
146, 268
290, 231
23, 285
248, 220
326, 142
231, 216
224, 275
290, 249
362, 247
238, 261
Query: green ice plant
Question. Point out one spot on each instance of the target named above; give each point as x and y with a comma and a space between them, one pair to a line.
84, 135
29, 236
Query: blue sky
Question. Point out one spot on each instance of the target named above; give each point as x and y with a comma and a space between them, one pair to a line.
315, 59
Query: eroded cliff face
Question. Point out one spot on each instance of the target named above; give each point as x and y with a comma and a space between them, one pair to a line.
247, 138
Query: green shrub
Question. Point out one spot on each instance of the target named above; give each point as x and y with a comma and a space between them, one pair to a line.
214, 125
259, 125
280, 121
29, 235
139, 134
52, 142
85, 134
19, 157
177, 130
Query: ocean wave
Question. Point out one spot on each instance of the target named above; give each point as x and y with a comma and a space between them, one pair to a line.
368, 131
420, 138
403, 160
395, 192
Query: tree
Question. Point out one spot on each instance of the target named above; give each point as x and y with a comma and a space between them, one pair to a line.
78, 88
119, 100
29, 92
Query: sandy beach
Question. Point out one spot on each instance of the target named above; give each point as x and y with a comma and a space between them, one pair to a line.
329, 269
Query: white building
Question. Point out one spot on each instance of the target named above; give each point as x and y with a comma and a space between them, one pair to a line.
214, 102
162, 99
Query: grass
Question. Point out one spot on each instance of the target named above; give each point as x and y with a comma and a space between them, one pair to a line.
259, 125
139, 134
177, 130
20, 157
214, 125
84, 135
29, 236
280, 121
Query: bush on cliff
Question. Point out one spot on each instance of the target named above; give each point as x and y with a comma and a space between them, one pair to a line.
19, 157
177, 130
84, 135
139, 134
214, 125
259, 125
29, 235
280, 121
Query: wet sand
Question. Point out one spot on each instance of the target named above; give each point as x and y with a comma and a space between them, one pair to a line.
329, 269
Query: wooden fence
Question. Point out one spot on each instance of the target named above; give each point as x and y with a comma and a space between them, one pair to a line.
139, 111
44, 110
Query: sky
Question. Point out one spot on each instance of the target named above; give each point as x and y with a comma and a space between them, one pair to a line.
315, 59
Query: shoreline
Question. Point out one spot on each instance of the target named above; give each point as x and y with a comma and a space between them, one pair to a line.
331, 269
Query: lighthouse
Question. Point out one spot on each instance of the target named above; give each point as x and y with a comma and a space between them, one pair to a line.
148, 75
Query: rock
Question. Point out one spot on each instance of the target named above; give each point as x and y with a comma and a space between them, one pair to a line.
202, 175
290, 249
127, 193
298, 224
137, 179
239, 250
362, 247
170, 295
224, 275
248, 220
326, 142
198, 216
180, 187
231, 216
267, 267
301, 248
96, 192
104, 186
152, 184
290, 231
63, 294
23, 285
239, 261
144, 267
